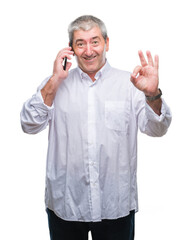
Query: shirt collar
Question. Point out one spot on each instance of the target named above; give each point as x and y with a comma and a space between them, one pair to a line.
98, 75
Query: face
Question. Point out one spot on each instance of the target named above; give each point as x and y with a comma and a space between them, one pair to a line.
90, 49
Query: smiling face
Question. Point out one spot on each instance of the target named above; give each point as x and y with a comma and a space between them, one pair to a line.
90, 49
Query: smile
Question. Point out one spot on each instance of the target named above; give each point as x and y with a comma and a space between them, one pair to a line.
89, 58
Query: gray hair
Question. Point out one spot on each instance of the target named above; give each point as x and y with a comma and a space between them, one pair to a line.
86, 23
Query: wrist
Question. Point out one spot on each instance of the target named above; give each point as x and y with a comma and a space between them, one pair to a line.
51, 87
155, 96
55, 78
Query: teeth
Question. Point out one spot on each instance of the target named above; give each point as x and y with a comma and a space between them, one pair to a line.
89, 58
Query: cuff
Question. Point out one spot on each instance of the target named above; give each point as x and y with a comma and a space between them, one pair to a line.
151, 115
40, 99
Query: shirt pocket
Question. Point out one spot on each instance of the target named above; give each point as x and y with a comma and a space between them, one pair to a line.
117, 115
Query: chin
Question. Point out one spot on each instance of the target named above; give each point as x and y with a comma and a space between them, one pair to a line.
89, 69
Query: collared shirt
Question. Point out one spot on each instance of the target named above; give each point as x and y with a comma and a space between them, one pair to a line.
92, 151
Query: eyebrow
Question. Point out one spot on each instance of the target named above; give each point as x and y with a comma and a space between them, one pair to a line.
96, 38
81, 40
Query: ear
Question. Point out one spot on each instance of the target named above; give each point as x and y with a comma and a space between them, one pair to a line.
107, 45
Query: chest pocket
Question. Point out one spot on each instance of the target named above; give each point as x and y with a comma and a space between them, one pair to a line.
117, 115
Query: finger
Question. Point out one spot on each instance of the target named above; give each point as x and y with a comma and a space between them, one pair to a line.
150, 59
156, 64
142, 58
68, 66
136, 70
63, 56
64, 50
60, 60
135, 73
65, 59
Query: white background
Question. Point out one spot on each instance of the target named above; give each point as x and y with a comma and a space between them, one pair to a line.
32, 32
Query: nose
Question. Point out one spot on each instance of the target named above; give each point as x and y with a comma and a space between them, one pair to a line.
88, 50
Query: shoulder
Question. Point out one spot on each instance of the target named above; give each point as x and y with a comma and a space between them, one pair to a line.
118, 73
72, 77
119, 76
122, 73
73, 73
122, 78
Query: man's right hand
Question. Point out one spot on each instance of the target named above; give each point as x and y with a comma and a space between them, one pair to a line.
58, 72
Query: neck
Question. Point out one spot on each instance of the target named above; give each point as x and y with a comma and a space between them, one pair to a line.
92, 76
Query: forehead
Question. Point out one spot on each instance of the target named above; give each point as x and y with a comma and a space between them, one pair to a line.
87, 35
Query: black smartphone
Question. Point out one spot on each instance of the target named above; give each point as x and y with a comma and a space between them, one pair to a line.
65, 59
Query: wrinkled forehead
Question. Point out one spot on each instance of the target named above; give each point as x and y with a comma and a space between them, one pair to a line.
87, 35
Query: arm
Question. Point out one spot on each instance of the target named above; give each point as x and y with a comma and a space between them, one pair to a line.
49, 90
153, 124
148, 121
156, 104
35, 115
154, 116
37, 111
146, 79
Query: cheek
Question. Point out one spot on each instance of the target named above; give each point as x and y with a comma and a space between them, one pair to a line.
104, 53
78, 52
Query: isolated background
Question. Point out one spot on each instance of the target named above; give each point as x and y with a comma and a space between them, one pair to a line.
32, 32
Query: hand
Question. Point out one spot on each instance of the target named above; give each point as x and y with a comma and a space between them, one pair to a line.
58, 70
148, 78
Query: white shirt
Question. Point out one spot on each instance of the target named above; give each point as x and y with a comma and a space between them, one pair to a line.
92, 151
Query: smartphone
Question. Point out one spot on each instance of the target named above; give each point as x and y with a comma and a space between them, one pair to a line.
65, 59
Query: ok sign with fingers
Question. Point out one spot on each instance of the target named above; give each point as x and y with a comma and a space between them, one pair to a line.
146, 77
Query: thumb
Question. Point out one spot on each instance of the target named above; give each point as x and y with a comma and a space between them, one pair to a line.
135, 73
68, 66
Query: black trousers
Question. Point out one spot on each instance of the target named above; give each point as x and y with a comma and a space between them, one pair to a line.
118, 229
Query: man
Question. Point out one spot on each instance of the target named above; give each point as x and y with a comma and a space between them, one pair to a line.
94, 112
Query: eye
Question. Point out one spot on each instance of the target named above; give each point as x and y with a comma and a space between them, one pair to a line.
80, 45
95, 43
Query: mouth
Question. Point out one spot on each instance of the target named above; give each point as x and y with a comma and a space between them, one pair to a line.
90, 58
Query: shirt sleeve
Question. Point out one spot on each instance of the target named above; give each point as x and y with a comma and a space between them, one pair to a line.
156, 125
148, 121
35, 114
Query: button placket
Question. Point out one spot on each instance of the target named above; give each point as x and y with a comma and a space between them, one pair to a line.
93, 165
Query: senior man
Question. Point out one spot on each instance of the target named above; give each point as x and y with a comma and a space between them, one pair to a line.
94, 112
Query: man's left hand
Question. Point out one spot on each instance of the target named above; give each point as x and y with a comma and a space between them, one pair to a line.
146, 77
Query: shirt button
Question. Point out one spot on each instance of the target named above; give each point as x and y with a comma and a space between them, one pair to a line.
93, 184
